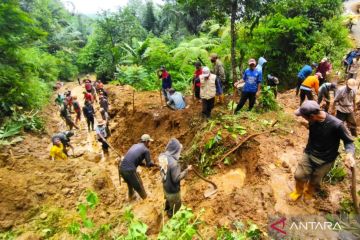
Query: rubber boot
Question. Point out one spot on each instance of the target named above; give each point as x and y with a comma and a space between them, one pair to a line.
309, 191
299, 188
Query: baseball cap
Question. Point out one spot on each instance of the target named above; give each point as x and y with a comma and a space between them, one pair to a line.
205, 72
100, 122
252, 61
146, 138
324, 59
213, 55
308, 107
351, 83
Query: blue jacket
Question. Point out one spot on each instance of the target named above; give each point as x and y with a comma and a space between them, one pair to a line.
351, 55
252, 79
305, 72
177, 100
260, 65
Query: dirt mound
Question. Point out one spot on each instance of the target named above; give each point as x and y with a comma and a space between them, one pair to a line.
150, 117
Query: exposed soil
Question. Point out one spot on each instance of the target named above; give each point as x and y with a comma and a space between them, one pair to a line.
253, 188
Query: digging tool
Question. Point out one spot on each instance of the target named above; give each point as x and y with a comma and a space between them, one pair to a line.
208, 192
161, 100
353, 189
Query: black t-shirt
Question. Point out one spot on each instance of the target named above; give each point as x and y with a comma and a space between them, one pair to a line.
324, 139
135, 156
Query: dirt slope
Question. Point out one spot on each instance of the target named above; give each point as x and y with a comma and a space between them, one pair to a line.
253, 188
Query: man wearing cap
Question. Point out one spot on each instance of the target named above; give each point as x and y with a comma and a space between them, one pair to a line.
344, 103
209, 88
311, 82
89, 113
324, 68
252, 87
101, 135
324, 94
176, 100
218, 69
133, 158
303, 74
325, 133
166, 81
354, 67
65, 140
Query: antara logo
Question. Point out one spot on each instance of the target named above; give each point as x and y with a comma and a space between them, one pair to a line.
315, 226
280, 225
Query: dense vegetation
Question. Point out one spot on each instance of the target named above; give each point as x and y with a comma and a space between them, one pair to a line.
41, 42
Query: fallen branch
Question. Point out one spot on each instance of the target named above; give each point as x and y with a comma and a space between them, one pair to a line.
243, 141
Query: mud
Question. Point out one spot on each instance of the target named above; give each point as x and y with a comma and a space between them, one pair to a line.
254, 187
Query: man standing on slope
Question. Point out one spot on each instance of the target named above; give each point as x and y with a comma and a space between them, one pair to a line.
133, 158
219, 71
166, 82
252, 87
171, 175
209, 88
344, 102
303, 74
325, 133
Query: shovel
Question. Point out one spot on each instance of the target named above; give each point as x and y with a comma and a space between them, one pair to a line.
353, 190
210, 191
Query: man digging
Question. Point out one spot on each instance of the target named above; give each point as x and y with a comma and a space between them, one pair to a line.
325, 133
133, 158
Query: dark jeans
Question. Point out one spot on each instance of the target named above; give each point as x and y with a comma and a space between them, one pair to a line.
133, 181
90, 122
165, 94
173, 203
349, 118
305, 93
207, 106
197, 92
298, 85
325, 96
244, 97
104, 145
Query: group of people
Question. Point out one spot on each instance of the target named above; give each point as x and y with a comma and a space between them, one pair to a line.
94, 93
169, 167
325, 130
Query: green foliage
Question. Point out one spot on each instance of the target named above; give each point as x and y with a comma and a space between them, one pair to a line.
87, 228
266, 101
136, 229
8, 235
183, 226
337, 172
138, 77
251, 231
17, 123
347, 206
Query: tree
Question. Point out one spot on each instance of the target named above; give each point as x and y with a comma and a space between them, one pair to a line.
244, 10
149, 17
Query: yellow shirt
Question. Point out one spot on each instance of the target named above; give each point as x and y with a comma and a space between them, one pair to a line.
58, 152
312, 82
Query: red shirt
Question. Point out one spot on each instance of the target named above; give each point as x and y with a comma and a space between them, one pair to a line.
197, 74
88, 85
88, 97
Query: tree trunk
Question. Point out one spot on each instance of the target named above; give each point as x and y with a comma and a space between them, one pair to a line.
233, 39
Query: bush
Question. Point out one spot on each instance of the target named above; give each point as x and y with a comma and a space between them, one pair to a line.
138, 77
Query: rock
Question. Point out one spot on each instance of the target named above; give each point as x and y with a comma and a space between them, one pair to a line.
43, 216
6, 224
224, 222
66, 191
285, 164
